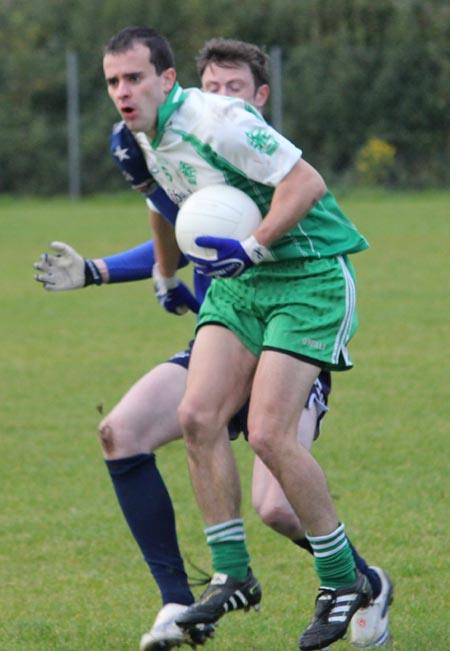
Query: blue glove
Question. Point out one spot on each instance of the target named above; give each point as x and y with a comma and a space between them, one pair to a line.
233, 257
173, 295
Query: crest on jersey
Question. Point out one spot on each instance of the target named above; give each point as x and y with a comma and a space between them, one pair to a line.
263, 141
188, 172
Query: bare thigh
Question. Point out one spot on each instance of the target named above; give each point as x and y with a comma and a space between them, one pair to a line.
146, 417
219, 380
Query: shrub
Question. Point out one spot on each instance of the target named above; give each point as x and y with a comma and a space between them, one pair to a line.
375, 161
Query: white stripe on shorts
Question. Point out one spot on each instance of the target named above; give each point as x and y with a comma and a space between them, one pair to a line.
346, 325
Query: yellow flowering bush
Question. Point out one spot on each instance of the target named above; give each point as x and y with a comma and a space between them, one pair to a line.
375, 160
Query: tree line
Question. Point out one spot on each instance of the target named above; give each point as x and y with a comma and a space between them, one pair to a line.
366, 85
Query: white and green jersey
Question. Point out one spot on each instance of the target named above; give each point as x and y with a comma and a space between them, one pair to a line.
204, 139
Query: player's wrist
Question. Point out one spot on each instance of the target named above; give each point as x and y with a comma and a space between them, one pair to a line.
92, 275
256, 252
103, 269
165, 283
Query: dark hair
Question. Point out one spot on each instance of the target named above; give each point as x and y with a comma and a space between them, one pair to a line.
225, 51
161, 55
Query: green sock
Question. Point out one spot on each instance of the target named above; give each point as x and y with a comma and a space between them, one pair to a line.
333, 559
229, 551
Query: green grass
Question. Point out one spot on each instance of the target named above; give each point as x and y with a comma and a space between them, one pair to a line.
71, 576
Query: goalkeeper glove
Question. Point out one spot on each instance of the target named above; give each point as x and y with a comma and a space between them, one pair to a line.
66, 269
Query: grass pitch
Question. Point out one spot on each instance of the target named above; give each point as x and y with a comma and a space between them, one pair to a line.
72, 578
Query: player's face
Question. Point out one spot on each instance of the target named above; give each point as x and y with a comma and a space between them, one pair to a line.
135, 88
234, 80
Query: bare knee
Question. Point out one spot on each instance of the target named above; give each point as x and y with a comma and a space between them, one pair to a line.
201, 425
193, 421
115, 439
280, 517
272, 444
264, 446
106, 437
267, 510
269, 499
272, 515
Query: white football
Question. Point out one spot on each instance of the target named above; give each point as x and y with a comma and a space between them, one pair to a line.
218, 211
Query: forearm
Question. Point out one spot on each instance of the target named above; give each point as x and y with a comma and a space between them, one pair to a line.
130, 265
166, 250
292, 200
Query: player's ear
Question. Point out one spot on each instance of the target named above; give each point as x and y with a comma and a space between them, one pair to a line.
169, 77
261, 96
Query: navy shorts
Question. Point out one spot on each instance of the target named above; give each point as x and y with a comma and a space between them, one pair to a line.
238, 424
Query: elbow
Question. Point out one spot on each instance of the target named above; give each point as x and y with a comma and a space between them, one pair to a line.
313, 182
320, 190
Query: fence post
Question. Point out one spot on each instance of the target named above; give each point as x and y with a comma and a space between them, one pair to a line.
73, 124
276, 94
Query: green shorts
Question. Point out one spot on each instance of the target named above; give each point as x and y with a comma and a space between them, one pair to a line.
305, 308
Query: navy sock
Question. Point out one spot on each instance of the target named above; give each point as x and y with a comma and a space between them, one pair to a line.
360, 563
304, 544
372, 576
148, 510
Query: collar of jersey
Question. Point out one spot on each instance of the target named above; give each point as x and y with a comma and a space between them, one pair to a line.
175, 98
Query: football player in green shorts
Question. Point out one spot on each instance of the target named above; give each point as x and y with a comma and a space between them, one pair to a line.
273, 341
